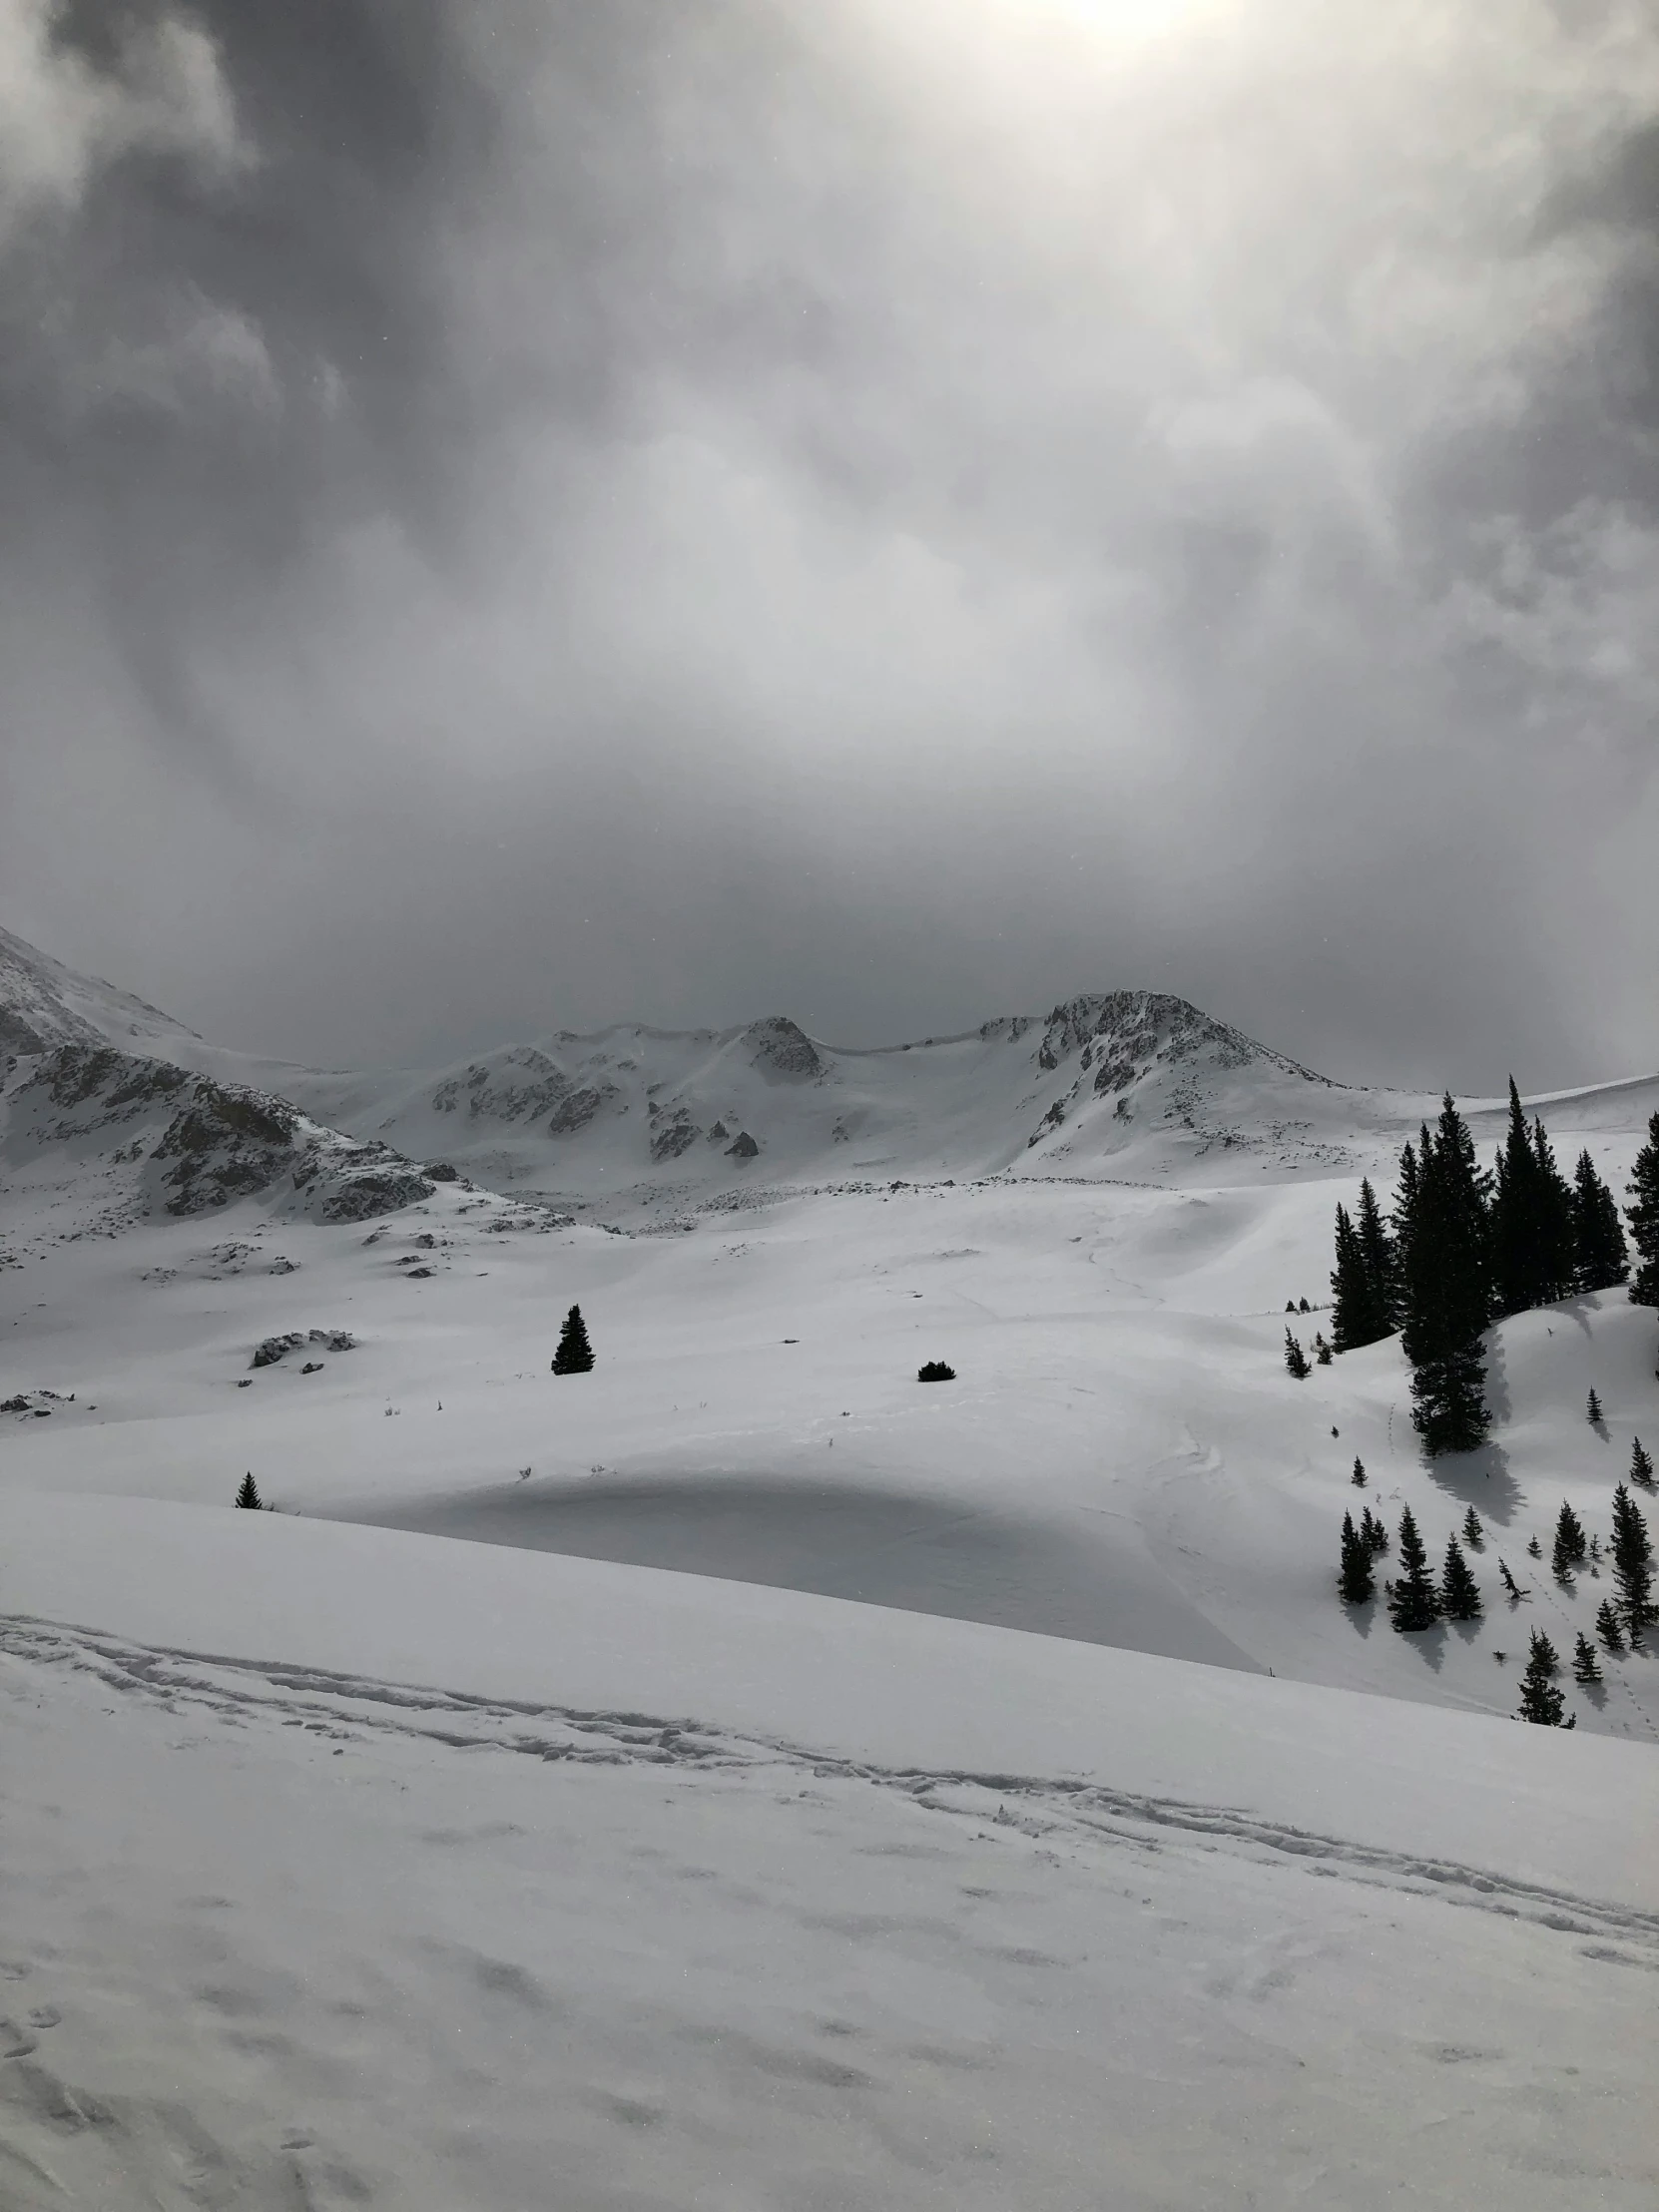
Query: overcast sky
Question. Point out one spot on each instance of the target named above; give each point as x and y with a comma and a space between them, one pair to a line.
525, 515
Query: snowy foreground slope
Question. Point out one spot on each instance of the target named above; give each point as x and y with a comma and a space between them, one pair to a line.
805, 1787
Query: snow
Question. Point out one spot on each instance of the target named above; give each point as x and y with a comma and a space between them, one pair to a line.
744, 1776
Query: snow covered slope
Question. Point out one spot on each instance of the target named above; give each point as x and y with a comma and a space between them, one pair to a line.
44, 1004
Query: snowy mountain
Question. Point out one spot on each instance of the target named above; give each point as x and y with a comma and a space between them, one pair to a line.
742, 1771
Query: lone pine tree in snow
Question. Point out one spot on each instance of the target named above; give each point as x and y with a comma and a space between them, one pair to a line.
1632, 1567
1415, 1602
1442, 1239
1542, 1701
1592, 1410
1602, 1258
1607, 1626
1355, 1578
1571, 1544
1459, 1591
1586, 1667
1322, 1350
1642, 1212
1473, 1534
1296, 1359
1641, 1467
1357, 1477
248, 1494
575, 1354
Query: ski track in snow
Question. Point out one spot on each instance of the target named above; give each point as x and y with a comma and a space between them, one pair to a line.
346, 1707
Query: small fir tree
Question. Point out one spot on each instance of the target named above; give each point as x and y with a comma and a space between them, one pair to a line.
574, 1354
1641, 1467
1302, 1305
1355, 1578
1414, 1602
1571, 1544
1632, 1569
1534, 1549
1459, 1592
1357, 1477
1296, 1360
1322, 1350
1592, 1410
1373, 1530
1602, 1258
1586, 1667
1642, 1212
1516, 1593
1607, 1627
1541, 1702
1473, 1534
248, 1494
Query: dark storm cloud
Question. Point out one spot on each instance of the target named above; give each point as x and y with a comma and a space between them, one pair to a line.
523, 515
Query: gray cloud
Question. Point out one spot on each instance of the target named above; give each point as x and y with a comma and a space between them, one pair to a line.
533, 515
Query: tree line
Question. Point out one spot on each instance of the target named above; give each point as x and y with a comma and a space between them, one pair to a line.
1462, 1246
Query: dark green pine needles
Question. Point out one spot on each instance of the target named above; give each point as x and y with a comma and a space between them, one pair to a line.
1354, 1580
1643, 1215
1415, 1603
1542, 1701
1571, 1544
1459, 1591
575, 1354
1632, 1550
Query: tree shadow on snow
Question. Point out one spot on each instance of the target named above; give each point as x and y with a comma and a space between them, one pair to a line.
1480, 1478
1365, 1615
1428, 1644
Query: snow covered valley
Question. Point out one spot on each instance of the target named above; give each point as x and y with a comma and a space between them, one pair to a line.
744, 1776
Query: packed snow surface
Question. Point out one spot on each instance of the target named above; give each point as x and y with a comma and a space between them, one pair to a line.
744, 1774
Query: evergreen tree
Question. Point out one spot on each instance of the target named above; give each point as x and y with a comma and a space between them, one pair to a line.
1632, 1567
1415, 1602
1592, 1410
1322, 1350
1302, 1305
248, 1494
1357, 1477
1296, 1359
1607, 1627
574, 1354
1556, 1258
1447, 1300
1571, 1544
1542, 1701
1516, 1593
1361, 1305
1641, 1467
1459, 1592
1534, 1549
1404, 1218
1644, 1215
1517, 1218
1602, 1258
1586, 1667
1354, 1581
1373, 1530
1473, 1534
1376, 1250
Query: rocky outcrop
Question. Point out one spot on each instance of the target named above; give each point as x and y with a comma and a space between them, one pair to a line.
781, 1048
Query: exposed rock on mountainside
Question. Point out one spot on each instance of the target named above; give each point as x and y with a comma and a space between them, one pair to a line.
778, 1044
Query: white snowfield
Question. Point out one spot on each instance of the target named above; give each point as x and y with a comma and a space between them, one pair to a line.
806, 1787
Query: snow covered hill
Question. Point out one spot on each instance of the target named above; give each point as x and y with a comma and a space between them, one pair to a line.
745, 1773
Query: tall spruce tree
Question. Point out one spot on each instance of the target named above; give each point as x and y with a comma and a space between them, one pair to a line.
1542, 1701
1459, 1591
1571, 1543
1447, 1298
1377, 1252
574, 1354
1586, 1667
1607, 1626
1644, 1215
1356, 1579
1632, 1550
1415, 1602
1557, 1260
1641, 1466
1602, 1258
1516, 1222
1373, 1530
